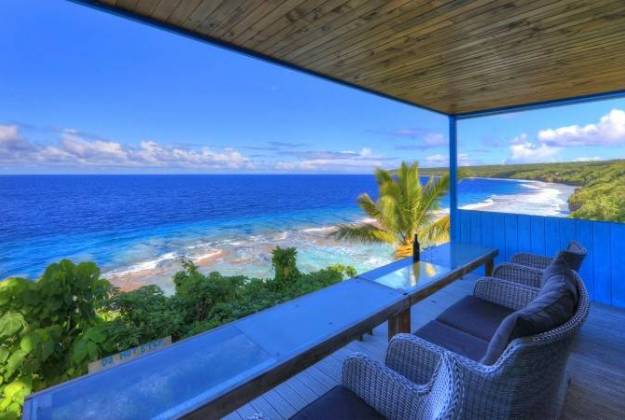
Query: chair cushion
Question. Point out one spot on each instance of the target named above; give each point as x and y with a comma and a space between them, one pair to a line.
574, 255
555, 304
576, 248
339, 403
505, 333
475, 316
559, 270
453, 339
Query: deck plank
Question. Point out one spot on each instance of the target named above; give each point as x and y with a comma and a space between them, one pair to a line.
306, 394
597, 364
235, 415
281, 404
264, 408
246, 411
307, 381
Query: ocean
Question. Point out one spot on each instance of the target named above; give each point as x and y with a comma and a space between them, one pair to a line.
137, 228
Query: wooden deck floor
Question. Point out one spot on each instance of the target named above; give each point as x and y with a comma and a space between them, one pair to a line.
597, 365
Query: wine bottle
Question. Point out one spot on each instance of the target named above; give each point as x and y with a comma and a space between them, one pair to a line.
416, 249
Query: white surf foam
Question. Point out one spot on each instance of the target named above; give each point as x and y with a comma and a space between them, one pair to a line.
143, 266
482, 204
322, 229
207, 255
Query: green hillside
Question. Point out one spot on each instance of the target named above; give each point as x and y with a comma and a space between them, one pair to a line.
601, 185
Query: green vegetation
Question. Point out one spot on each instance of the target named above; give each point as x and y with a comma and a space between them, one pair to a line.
52, 328
601, 185
404, 208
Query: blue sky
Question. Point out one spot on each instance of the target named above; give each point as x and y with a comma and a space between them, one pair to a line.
83, 91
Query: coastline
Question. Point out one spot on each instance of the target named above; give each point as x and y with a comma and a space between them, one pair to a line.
145, 230
251, 255
545, 198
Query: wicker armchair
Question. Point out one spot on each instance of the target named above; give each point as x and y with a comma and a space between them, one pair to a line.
574, 249
519, 274
372, 391
438, 396
528, 380
527, 259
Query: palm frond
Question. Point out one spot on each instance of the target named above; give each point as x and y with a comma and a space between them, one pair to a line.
434, 190
368, 206
382, 177
387, 204
364, 232
410, 195
437, 231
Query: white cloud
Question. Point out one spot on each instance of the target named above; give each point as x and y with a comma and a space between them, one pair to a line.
8, 134
420, 139
588, 159
366, 152
434, 140
520, 139
333, 161
441, 160
609, 131
437, 160
11, 140
87, 151
529, 152
152, 153
74, 149
12, 144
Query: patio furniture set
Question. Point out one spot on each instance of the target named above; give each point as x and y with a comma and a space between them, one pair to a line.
500, 353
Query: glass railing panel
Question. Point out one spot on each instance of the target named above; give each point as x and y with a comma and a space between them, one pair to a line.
191, 373
164, 384
301, 323
177, 379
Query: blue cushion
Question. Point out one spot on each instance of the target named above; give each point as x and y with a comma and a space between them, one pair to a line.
555, 304
503, 336
576, 247
560, 268
453, 339
475, 316
574, 255
339, 403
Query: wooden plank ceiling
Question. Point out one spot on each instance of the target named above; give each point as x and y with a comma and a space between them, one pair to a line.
450, 55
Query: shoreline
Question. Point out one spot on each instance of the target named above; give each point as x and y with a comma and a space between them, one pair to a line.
251, 255
252, 258
533, 201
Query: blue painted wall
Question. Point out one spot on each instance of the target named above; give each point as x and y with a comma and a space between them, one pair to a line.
604, 268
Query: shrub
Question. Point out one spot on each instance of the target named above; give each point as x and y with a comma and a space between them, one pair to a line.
284, 261
52, 328
40, 323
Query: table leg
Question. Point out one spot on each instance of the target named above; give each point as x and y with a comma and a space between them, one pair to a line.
399, 324
489, 266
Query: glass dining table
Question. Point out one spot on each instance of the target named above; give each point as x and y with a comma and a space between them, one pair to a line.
212, 373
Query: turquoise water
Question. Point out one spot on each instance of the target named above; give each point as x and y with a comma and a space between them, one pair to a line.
138, 227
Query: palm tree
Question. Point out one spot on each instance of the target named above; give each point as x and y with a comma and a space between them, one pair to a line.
404, 208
